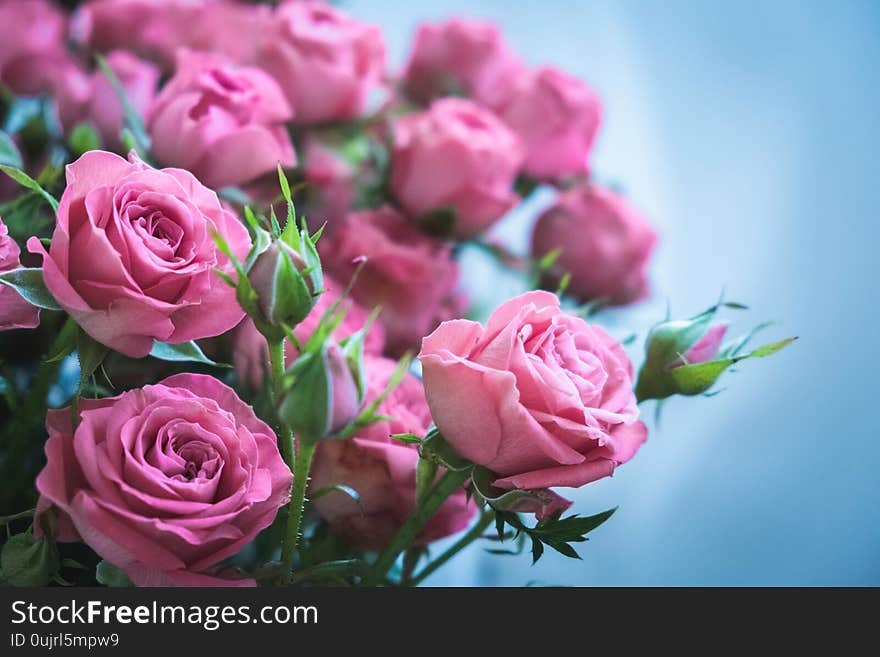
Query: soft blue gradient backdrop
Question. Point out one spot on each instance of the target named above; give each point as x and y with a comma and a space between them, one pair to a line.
748, 132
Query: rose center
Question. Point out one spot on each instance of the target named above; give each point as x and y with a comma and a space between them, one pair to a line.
200, 460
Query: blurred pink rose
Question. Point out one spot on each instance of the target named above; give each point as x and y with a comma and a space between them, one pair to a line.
382, 471
537, 396
15, 312
326, 62
139, 79
605, 244
156, 29
460, 57
251, 356
410, 275
557, 117
165, 481
455, 156
222, 122
132, 257
32, 37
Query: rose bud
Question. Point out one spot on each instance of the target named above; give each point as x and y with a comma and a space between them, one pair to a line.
285, 288
557, 117
603, 244
326, 62
685, 357
324, 389
222, 122
538, 397
455, 158
460, 57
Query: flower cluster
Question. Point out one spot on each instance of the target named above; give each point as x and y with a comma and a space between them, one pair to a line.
203, 182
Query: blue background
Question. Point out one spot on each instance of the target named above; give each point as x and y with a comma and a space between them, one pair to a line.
748, 133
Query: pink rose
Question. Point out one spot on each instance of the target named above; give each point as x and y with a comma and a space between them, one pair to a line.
15, 312
537, 396
455, 156
557, 117
132, 256
251, 355
325, 61
605, 244
460, 57
156, 29
32, 36
139, 79
165, 481
382, 471
410, 275
222, 122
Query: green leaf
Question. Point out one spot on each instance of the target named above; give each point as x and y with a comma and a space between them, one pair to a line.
28, 561
184, 352
407, 438
28, 282
549, 259
9, 154
27, 182
65, 343
90, 353
132, 120
109, 575
499, 498
306, 405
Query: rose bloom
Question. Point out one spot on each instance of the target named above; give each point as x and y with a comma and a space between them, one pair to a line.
460, 57
139, 78
604, 244
251, 355
382, 471
32, 36
222, 122
325, 61
132, 257
15, 312
455, 156
410, 275
537, 396
557, 117
165, 481
156, 29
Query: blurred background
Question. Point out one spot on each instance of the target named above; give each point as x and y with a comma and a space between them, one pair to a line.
748, 133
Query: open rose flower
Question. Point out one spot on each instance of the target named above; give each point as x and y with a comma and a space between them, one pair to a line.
32, 36
223, 122
251, 355
325, 61
537, 396
557, 116
382, 471
460, 57
132, 257
15, 312
164, 482
410, 275
604, 245
456, 156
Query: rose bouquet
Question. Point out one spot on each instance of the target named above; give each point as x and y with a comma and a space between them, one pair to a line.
228, 227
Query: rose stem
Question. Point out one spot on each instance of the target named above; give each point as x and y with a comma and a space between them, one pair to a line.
473, 534
305, 452
276, 374
448, 484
